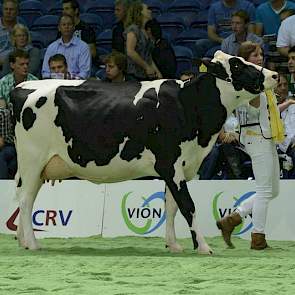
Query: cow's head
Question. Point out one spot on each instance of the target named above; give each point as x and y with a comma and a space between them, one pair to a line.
242, 74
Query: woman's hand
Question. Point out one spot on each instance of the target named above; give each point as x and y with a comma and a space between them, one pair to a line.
150, 71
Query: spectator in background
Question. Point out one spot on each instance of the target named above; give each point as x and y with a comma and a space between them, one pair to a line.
286, 36
239, 24
291, 68
116, 67
8, 162
7, 22
118, 40
268, 16
82, 30
139, 47
58, 67
163, 54
226, 158
287, 109
19, 63
21, 39
187, 75
75, 50
219, 23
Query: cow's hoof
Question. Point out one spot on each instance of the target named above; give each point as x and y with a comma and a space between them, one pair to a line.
29, 245
175, 248
205, 250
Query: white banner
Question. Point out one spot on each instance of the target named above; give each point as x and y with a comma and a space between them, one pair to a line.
67, 209
77, 208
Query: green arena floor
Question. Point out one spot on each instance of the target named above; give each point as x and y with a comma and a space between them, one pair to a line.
131, 265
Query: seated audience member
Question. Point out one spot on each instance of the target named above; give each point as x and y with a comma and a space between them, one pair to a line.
7, 22
227, 157
19, 64
287, 109
163, 54
8, 162
75, 50
219, 23
291, 68
118, 40
139, 47
187, 75
116, 67
21, 39
239, 25
58, 67
268, 16
286, 36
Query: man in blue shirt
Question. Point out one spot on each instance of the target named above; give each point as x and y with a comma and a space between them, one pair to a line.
268, 16
75, 50
219, 23
240, 22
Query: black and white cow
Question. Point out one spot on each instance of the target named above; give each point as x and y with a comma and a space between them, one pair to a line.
110, 132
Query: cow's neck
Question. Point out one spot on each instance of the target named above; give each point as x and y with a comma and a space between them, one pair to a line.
204, 112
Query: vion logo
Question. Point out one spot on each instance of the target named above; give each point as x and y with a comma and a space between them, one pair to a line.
147, 217
221, 209
42, 218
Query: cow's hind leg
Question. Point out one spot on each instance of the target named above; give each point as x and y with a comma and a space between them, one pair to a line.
187, 208
27, 193
171, 210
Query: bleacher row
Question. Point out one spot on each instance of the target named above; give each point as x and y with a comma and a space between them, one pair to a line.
182, 22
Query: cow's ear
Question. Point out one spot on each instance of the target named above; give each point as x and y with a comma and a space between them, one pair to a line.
217, 69
209, 64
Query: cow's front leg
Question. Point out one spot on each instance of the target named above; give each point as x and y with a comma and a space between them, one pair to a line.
171, 210
186, 206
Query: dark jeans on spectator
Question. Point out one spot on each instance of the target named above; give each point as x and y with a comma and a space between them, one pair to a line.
226, 160
8, 162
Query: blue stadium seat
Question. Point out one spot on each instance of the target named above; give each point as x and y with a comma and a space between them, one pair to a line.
171, 24
30, 10
104, 40
184, 57
38, 39
189, 37
55, 8
155, 6
93, 20
201, 20
103, 8
186, 9
46, 25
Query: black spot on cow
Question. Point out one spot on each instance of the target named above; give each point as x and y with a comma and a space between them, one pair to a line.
28, 118
151, 94
41, 101
97, 116
183, 163
19, 184
204, 112
246, 76
18, 97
